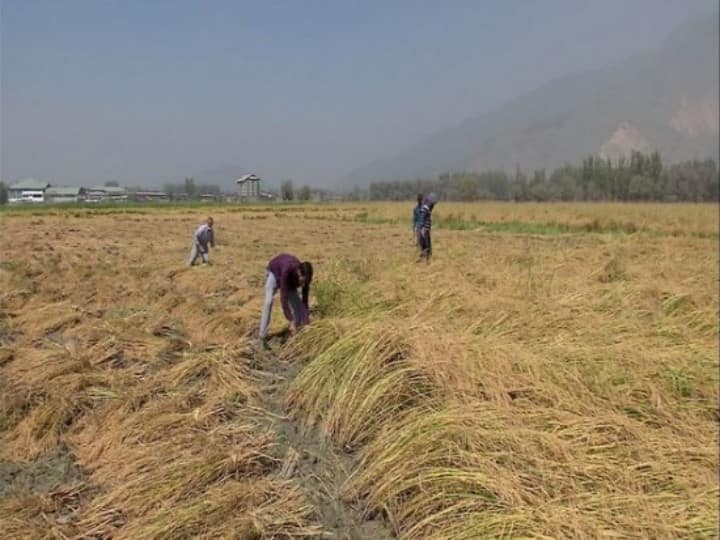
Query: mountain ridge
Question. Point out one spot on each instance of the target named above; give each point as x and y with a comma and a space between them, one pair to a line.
668, 95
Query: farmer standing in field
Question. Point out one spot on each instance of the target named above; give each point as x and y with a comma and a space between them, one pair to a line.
416, 220
203, 236
426, 226
287, 273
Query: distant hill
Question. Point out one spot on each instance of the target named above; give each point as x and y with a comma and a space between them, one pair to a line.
665, 100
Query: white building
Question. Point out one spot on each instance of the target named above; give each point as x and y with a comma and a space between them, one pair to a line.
106, 193
64, 194
249, 187
28, 190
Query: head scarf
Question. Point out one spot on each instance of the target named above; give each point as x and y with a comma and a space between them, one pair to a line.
430, 200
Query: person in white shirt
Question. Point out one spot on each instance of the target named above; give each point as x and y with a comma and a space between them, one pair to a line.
204, 236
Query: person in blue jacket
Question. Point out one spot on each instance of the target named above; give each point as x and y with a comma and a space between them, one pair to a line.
417, 221
426, 226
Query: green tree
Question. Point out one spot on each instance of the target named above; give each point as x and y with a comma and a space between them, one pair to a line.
304, 193
519, 187
563, 183
3, 193
209, 189
190, 188
587, 177
640, 188
655, 166
538, 186
287, 191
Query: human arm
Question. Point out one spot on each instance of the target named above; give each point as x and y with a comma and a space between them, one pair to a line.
306, 304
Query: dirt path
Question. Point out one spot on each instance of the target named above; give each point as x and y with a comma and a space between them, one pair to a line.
310, 460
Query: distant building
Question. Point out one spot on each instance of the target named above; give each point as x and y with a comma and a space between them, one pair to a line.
64, 194
150, 196
28, 190
106, 193
248, 187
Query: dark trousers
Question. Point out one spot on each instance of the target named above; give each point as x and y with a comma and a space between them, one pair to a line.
425, 243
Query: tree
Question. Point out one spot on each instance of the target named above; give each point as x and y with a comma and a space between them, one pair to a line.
641, 188
640, 177
518, 188
538, 186
3, 193
304, 193
358, 194
190, 188
112, 183
287, 191
497, 183
655, 166
563, 183
209, 189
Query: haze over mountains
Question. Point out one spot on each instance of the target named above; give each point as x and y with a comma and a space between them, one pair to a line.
664, 100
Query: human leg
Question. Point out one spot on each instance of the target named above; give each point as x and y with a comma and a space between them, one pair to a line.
193, 254
270, 287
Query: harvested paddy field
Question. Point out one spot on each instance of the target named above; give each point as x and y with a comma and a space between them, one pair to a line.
552, 373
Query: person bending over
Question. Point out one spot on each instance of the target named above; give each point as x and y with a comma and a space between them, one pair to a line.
286, 273
203, 236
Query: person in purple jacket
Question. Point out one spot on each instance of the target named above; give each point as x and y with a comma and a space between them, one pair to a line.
287, 273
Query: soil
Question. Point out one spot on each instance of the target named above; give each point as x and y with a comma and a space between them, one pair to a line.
310, 459
306, 457
40, 476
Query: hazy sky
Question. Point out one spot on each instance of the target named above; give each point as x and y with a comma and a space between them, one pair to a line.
148, 92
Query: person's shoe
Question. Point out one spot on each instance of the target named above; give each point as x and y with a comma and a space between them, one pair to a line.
264, 345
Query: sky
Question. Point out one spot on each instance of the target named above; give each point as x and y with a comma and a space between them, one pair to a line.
150, 92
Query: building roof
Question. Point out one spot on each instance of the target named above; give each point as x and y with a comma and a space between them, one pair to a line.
63, 191
111, 190
245, 178
30, 183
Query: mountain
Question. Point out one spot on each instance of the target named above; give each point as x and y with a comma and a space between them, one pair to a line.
666, 100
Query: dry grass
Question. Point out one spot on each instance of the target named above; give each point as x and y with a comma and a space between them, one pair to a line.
522, 385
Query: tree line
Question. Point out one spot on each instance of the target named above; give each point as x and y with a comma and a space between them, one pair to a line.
190, 189
642, 177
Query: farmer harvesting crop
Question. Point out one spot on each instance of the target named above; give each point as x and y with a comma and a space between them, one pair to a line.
426, 226
203, 236
287, 273
416, 220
